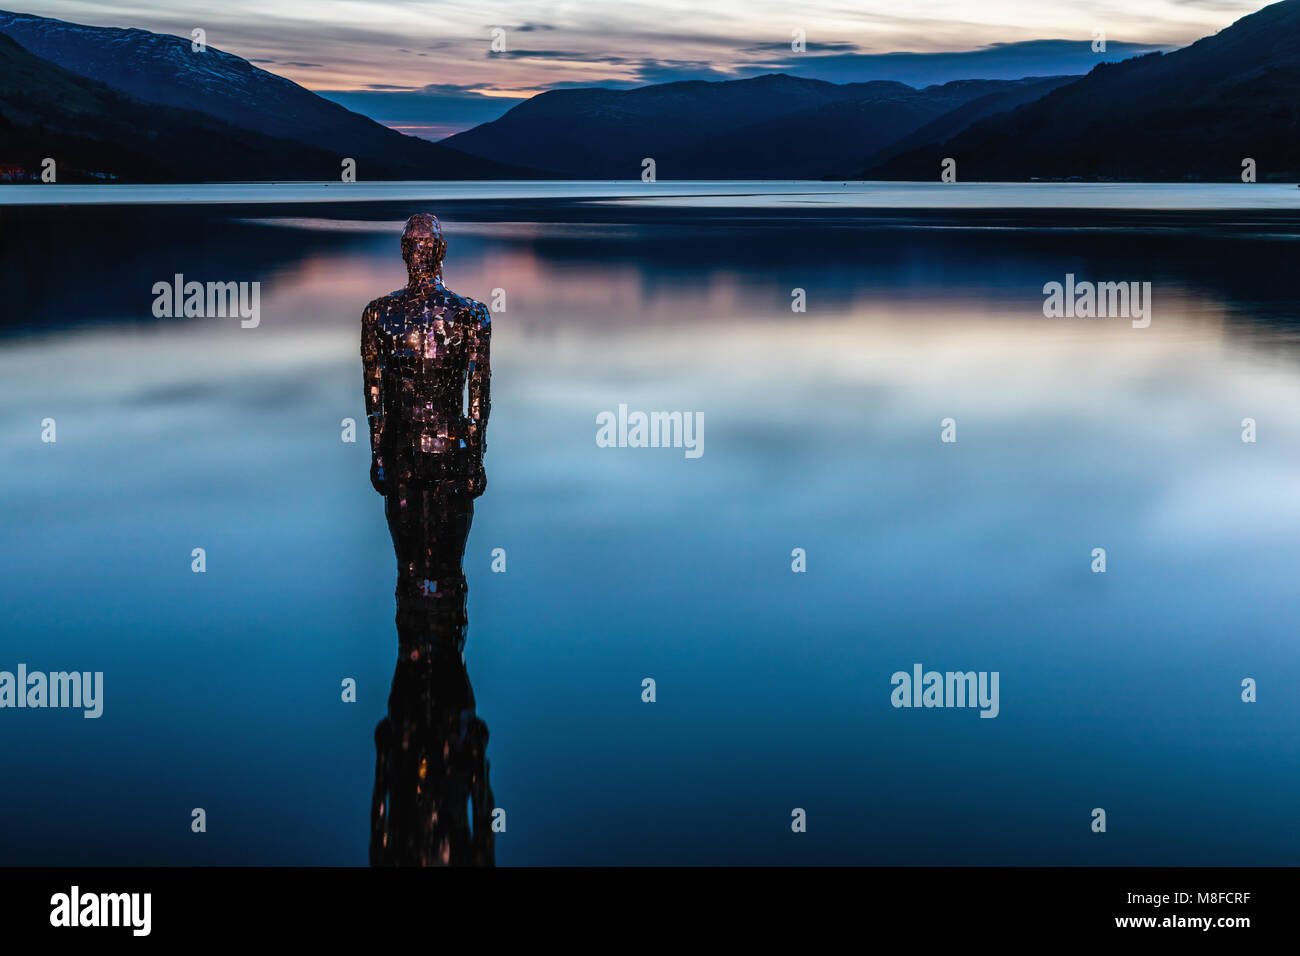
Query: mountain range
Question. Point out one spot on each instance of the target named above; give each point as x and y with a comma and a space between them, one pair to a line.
1194, 113
769, 127
238, 112
142, 106
89, 129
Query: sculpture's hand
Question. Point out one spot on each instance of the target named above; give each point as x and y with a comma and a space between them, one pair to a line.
478, 483
372, 364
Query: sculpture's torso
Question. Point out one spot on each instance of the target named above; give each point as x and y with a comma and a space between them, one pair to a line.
421, 347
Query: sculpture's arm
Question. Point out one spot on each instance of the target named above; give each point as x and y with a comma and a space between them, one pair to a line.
373, 379
480, 393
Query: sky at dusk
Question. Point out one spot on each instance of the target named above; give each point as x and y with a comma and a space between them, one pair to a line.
442, 49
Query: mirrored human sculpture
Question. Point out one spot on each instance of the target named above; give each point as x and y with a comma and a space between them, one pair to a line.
425, 358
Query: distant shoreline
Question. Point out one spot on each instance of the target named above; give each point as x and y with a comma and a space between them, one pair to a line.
736, 196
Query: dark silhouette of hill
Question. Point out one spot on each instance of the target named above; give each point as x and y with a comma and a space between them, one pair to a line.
144, 106
1195, 113
822, 141
954, 121
88, 128
769, 127
164, 70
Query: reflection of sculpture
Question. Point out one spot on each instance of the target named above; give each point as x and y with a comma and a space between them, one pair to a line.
432, 803
424, 349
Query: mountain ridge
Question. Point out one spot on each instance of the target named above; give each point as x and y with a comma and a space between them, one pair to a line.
163, 70
1195, 112
770, 126
147, 105
93, 132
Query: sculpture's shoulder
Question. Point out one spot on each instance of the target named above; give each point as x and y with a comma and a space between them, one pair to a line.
471, 310
384, 306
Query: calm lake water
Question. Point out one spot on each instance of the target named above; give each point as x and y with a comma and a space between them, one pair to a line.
822, 431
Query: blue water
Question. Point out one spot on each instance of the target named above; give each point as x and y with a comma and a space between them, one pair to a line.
822, 431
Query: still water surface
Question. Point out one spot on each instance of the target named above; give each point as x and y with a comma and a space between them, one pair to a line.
822, 431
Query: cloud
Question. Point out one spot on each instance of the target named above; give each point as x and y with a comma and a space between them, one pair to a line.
546, 55
784, 47
356, 44
998, 61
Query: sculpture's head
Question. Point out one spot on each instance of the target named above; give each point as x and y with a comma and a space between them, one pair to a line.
423, 247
